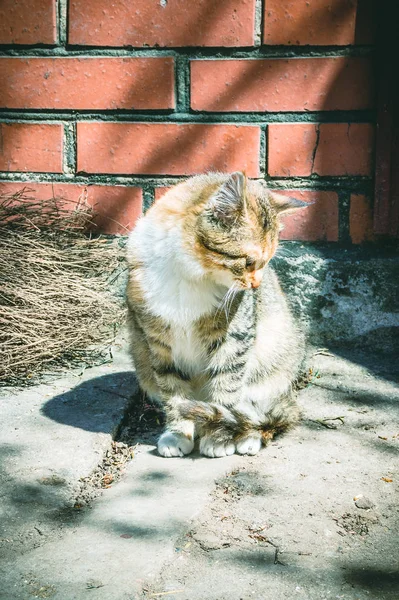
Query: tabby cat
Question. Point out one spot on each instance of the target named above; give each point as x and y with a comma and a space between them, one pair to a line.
212, 337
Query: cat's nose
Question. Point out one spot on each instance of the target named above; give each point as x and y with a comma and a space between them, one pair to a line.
256, 279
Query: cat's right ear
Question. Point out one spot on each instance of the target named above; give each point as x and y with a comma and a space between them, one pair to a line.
228, 202
286, 204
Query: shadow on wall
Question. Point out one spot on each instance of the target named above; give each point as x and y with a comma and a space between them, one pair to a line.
160, 154
158, 157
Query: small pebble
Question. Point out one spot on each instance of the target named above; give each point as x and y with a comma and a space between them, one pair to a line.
364, 503
92, 584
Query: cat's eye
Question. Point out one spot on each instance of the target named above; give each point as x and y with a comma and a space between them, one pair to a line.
250, 264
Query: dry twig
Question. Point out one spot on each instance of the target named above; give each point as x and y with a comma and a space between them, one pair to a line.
55, 303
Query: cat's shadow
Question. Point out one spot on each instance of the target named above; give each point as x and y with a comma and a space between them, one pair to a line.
114, 405
100, 404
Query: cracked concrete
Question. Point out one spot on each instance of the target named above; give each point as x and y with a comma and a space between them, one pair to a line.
289, 522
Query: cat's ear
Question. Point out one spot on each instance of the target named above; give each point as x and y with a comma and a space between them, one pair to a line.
228, 203
285, 204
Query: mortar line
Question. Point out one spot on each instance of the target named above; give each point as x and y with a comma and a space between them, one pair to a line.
70, 150
259, 11
233, 118
148, 198
211, 53
182, 84
62, 23
346, 184
263, 150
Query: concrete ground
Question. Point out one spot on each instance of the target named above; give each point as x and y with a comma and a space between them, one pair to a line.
314, 516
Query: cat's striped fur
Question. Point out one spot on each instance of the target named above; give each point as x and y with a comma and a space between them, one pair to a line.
212, 337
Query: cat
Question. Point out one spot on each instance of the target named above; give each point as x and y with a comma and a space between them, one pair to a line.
212, 337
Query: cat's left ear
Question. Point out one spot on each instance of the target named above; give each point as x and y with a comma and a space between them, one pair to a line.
228, 203
285, 204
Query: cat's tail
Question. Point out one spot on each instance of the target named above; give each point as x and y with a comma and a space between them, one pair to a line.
229, 423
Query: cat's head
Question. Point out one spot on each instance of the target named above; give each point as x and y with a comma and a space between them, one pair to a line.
237, 230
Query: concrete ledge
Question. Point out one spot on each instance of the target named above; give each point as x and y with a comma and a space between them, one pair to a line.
342, 295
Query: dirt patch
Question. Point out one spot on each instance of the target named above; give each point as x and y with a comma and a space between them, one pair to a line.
38, 589
355, 524
105, 474
242, 483
141, 423
224, 525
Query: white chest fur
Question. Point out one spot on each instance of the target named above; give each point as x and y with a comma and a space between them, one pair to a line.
174, 283
187, 351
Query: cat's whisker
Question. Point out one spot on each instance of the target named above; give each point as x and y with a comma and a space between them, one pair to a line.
225, 303
228, 303
228, 295
222, 303
230, 298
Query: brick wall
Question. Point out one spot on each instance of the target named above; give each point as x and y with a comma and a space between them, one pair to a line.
116, 101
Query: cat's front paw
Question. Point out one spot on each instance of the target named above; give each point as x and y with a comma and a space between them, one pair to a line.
213, 449
249, 445
174, 444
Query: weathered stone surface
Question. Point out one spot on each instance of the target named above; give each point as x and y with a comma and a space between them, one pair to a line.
342, 295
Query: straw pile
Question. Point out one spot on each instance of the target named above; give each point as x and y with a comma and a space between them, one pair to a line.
56, 309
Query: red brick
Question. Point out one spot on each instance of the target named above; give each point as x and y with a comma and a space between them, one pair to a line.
87, 83
161, 23
116, 208
317, 22
166, 149
274, 85
301, 149
159, 192
360, 219
317, 222
28, 22
31, 147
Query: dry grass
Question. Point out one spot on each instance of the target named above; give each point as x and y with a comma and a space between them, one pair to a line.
55, 303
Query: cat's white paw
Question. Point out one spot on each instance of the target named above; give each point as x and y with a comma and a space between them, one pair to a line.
174, 444
249, 445
208, 447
